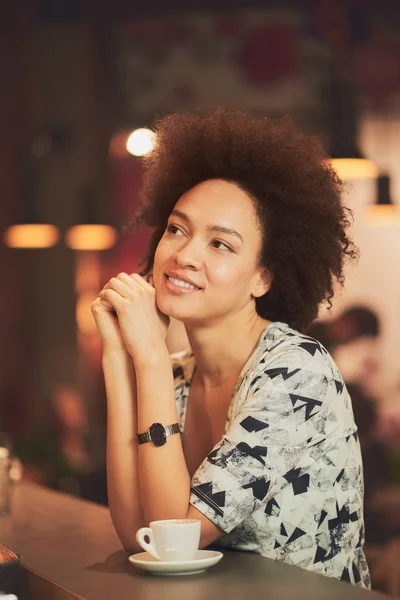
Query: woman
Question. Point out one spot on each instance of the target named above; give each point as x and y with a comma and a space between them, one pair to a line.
249, 236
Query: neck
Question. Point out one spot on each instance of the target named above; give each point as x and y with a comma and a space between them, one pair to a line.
222, 349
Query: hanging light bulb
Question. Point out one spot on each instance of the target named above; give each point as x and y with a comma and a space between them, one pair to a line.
90, 234
31, 235
136, 143
384, 211
30, 232
91, 237
354, 168
346, 156
141, 142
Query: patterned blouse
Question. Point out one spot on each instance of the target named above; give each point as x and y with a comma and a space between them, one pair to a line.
285, 481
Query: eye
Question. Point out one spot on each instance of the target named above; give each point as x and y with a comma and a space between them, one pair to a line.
221, 245
174, 230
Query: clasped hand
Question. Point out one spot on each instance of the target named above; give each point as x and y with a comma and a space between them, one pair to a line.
127, 315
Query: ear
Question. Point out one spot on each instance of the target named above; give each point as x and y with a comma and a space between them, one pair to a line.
262, 282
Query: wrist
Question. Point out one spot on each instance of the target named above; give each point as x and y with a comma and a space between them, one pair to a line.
158, 357
111, 353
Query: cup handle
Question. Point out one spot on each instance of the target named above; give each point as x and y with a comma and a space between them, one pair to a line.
148, 546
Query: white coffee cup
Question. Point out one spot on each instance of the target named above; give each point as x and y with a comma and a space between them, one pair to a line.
171, 540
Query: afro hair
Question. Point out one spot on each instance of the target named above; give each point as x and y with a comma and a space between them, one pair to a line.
297, 196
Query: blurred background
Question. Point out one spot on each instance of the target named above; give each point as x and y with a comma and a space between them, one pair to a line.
79, 78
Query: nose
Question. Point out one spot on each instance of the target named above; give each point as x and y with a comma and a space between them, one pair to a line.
189, 255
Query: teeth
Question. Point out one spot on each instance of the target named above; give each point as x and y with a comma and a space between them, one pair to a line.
183, 283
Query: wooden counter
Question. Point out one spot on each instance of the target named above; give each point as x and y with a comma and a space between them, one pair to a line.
70, 550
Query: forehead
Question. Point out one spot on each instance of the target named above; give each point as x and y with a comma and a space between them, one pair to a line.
219, 202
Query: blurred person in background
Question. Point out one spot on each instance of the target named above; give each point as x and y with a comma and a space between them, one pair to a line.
353, 340
381, 507
250, 234
353, 323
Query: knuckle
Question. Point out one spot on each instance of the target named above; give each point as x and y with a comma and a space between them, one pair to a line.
95, 304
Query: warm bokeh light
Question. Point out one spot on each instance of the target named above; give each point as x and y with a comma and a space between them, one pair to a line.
383, 214
84, 318
141, 142
87, 286
355, 168
31, 235
91, 237
117, 148
88, 272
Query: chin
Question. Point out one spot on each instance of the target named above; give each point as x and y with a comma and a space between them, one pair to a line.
169, 308
166, 306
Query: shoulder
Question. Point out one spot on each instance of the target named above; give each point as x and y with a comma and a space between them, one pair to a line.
284, 348
289, 367
295, 384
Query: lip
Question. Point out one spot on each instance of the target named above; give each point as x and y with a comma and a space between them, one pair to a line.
182, 278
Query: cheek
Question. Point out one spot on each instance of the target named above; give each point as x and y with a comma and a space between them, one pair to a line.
230, 274
159, 259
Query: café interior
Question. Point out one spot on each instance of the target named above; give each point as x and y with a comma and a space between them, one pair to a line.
83, 82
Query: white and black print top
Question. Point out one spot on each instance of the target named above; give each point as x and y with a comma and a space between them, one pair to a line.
285, 481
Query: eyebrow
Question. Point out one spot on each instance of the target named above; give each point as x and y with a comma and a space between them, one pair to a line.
219, 228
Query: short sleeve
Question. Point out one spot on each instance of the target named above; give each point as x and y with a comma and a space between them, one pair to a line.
279, 431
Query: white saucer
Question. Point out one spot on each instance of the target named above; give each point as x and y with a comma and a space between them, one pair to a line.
202, 561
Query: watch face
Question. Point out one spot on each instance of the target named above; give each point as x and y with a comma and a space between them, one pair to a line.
158, 435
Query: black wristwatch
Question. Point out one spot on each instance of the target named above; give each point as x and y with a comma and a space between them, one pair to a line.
158, 434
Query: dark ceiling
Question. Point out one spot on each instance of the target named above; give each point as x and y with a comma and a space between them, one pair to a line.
114, 10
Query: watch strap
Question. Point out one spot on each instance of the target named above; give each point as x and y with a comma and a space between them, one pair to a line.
145, 437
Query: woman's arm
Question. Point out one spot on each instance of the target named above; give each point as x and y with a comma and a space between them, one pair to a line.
164, 480
119, 375
122, 471
163, 474
154, 478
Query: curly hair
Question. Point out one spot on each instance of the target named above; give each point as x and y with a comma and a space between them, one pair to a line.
297, 196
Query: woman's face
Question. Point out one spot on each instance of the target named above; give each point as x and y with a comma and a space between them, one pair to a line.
206, 264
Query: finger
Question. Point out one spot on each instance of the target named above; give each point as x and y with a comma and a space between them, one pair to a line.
112, 297
103, 304
125, 278
106, 304
119, 286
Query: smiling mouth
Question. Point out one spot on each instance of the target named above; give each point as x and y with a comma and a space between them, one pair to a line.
184, 285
